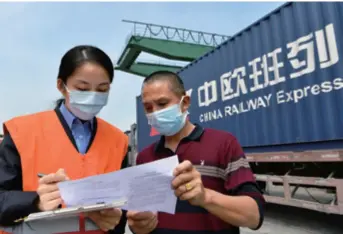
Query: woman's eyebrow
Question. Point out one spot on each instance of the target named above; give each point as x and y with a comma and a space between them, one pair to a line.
82, 81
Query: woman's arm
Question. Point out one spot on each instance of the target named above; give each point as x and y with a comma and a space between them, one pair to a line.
14, 203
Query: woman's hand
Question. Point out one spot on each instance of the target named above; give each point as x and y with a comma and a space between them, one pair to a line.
188, 184
105, 219
49, 195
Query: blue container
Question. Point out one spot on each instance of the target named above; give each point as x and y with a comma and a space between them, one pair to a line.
277, 82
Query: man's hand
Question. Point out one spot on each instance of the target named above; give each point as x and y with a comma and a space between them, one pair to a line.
105, 219
49, 195
188, 184
142, 222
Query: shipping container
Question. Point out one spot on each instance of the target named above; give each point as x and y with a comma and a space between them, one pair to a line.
277, 82
278, 87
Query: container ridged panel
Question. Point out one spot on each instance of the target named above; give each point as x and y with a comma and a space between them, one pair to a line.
243, 86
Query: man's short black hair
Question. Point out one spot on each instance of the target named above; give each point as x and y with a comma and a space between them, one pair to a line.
176, 83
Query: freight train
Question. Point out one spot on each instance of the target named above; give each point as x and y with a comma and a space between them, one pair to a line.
277, 86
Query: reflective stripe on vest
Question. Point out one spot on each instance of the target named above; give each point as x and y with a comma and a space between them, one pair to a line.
44, 147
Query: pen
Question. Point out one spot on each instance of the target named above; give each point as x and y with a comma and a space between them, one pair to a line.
40, 175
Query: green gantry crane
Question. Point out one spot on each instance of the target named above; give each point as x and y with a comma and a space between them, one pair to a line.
170, 43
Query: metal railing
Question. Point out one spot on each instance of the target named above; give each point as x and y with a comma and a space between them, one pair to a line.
141, 29
161, 62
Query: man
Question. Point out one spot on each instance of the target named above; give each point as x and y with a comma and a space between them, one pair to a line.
216, 189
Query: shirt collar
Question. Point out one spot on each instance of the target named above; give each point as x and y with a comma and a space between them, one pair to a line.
195, 135
70, 117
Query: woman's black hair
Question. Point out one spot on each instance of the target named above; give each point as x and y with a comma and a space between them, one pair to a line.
79, 55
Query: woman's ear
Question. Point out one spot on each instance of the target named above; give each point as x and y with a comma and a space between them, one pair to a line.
61, 87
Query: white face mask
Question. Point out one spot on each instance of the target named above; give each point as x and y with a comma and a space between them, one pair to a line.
86, 104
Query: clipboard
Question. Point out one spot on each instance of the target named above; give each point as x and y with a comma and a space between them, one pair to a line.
71, 211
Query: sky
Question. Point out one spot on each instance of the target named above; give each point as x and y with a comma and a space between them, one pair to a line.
34, 37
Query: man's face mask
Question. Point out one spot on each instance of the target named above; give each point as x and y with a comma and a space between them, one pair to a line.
86, 104
168, 121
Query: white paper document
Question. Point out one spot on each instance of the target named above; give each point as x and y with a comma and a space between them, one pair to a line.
145, 187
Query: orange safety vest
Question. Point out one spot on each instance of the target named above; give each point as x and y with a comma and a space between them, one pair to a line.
44, 147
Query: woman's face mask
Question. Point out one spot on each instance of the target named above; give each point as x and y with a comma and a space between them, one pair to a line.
86, 104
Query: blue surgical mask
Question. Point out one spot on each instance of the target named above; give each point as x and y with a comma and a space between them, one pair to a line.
168, 121
86, 104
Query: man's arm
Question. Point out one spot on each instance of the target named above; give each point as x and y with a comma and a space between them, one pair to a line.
238, 210
244, 204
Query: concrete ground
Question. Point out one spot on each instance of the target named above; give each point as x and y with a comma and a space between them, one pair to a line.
289, 220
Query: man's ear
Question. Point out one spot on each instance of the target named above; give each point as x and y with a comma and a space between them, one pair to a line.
186, 103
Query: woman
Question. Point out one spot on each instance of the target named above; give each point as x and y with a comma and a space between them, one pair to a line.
66, 143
